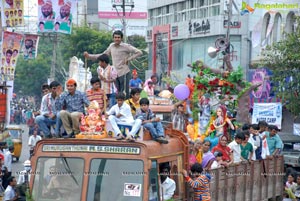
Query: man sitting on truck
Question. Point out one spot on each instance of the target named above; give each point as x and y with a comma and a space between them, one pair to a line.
121, 113
48, 114
71, 106
150, 122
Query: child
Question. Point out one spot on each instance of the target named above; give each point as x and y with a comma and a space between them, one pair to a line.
218, 162
150, 122
263, 133
256, 141
97, 94
200, 184
121, 113
235, 147
135, 82
246, 147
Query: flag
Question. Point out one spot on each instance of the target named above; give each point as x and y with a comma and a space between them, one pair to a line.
10, 53
56, 16
13, 13
30, 46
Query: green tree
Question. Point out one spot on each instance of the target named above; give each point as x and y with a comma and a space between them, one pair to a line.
84, 39
284, 60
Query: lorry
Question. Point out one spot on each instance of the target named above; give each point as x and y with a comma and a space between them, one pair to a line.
107, 169
291, 151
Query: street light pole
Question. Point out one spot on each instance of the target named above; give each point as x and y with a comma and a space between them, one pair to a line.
53, 65
123, 5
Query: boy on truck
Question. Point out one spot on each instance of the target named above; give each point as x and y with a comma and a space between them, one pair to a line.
150, 122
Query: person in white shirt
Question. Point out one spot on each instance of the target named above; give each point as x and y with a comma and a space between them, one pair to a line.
8, 165
33, 139
235, 147
10, 193
168, 186
121, 113
24, 176
149, 89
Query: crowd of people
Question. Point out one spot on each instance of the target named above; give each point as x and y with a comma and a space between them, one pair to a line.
214, 147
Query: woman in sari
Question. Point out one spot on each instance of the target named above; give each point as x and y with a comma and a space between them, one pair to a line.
208, 157
225, 150
196, 152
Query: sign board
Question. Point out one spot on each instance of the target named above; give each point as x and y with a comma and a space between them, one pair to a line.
269, 112
92, 148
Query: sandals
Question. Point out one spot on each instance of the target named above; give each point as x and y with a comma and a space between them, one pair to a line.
130, 139
120, 137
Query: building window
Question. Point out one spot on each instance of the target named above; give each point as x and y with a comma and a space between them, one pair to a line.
277, 31
265, 25
202, 13
290, 23
214, 10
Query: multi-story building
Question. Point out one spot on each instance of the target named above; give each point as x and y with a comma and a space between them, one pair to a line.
108, 15
180, 31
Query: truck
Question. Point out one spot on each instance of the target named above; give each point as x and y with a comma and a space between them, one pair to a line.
291, 151
107, 169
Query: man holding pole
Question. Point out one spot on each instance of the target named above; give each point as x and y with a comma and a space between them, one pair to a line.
122, 54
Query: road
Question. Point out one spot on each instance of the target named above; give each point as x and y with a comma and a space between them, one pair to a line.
17, 166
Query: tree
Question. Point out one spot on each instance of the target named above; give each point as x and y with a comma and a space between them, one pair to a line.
284, 59
85, 39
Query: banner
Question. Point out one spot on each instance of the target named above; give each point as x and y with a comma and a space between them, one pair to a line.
10, 52
12, 13
269, 112
30, 46
56, 15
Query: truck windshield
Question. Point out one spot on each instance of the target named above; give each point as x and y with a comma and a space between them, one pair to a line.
58, 179
113, 179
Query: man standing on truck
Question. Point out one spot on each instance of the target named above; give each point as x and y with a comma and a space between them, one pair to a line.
274, 142
71, 106
122, 54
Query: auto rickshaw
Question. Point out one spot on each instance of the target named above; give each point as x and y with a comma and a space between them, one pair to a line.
14, 139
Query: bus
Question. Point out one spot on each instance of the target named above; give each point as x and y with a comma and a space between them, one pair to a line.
107, 169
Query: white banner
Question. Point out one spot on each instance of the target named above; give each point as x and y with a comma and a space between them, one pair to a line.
269, 112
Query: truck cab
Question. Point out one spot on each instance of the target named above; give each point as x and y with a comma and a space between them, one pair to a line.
83, 169
107, 169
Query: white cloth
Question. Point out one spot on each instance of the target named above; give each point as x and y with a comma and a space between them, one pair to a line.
124, 110
8, 160
215, 165
21, 178
236, 148
33, 140
168, 188
9, 193
265, 148
254, 145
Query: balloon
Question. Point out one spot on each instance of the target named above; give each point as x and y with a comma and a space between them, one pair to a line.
143, 94
181, 92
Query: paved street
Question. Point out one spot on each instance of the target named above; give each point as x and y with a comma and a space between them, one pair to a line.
18, 166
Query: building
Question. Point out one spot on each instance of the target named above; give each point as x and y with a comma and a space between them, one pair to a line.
108, 15
180, 32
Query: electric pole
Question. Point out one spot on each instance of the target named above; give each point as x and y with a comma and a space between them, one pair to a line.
53, 65
123, 5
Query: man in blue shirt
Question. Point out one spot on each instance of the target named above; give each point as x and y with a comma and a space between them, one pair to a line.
135, 82
71, 106
274, 142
